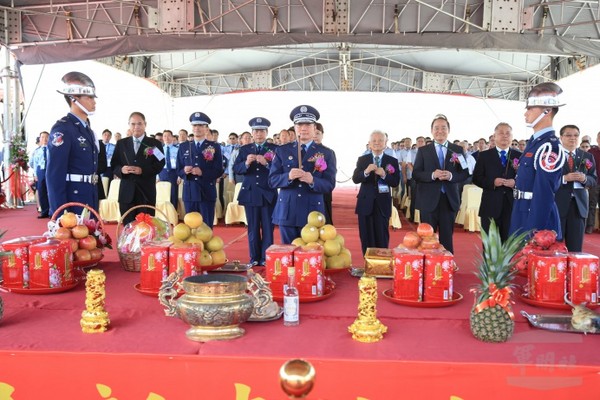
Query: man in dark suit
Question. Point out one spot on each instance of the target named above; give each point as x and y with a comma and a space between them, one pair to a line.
301, 183
253, 162
572, 200
199, 164
495, 173
439, 167
136, 161
169, 172
377, 173
102, 166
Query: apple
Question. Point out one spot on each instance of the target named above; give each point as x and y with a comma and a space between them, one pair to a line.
80, 231
63, 233
88, 242
96, 253
83, 255
68, 220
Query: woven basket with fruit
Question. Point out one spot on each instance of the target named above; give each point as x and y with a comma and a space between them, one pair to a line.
87, 235
131, 237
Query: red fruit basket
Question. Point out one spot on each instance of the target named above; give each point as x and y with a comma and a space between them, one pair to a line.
132, 261
87, 263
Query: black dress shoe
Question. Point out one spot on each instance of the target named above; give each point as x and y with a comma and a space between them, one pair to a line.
589, 229
43, 216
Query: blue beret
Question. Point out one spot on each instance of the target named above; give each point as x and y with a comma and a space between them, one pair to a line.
259, 123
199, 118
304, 115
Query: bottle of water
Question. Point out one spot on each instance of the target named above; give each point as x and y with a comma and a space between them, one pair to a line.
291, 300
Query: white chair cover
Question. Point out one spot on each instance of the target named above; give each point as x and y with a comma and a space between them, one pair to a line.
163, 202
235, 213
109, 207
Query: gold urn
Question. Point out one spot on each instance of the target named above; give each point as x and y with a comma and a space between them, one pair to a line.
214, 305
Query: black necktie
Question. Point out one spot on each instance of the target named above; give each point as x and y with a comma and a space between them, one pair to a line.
198, 146
303, 152
168, 158
45, 150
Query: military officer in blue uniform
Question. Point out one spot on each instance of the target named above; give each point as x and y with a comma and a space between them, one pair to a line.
199, 164
73, 149
169, 172
257, 197
302, 171
39, 160
539, 171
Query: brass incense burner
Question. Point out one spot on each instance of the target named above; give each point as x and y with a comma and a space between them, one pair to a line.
214, 305
297, 378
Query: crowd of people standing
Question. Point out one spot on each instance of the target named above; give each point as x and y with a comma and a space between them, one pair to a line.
546, 182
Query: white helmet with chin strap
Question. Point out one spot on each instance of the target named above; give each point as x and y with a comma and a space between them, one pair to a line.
544, 95
77, 84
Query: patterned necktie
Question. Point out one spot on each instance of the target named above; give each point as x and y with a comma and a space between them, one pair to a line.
303, 152
377, 161
441, 156
571, 162
503, 157
136, 145
168, 156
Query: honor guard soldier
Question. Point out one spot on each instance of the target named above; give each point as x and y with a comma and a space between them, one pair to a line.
539, 170
257, 197
199, 164
73, 150
302, 170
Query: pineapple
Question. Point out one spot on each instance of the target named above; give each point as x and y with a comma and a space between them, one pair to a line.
494, 323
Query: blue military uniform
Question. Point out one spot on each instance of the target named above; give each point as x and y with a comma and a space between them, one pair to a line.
257, 197
72, 164
200, 192
39, 159
539, 175
169, 172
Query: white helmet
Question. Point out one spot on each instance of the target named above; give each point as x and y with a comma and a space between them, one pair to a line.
77, 84
545, 95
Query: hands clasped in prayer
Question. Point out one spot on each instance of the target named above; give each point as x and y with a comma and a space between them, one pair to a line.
256, 157
301, 175
378, 170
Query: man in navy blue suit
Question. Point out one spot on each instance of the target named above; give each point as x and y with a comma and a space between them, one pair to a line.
199, 164
377, 174
541, 165
71, 171
302, 171
253, 162
169, 172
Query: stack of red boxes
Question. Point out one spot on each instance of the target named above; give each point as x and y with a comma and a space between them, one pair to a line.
15, 267
408, 274
547, 277
308, 263
582, 278
154, 265
50, 264
426, 275
278, 258
184, 255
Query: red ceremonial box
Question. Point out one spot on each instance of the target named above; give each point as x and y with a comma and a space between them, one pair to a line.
308, 264
184, 255
582, 278
408, 274
154, 264
278, 258
15, 267
439, 275
547, 276
50, 264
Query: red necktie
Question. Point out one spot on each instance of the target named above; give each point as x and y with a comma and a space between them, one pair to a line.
570, 161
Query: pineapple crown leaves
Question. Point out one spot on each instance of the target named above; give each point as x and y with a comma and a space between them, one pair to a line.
498, 259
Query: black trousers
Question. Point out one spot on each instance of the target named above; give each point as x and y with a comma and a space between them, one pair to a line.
502, 222
572, 227
374, 230
442, 221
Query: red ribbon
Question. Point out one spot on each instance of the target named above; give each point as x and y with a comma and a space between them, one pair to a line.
500, 297
143, 217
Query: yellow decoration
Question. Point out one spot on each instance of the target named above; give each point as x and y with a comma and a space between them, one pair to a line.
367, 328
94, 319
242, 392
154, 396
105, 391
6, 391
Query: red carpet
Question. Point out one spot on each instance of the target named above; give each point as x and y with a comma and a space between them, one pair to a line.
41, 334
